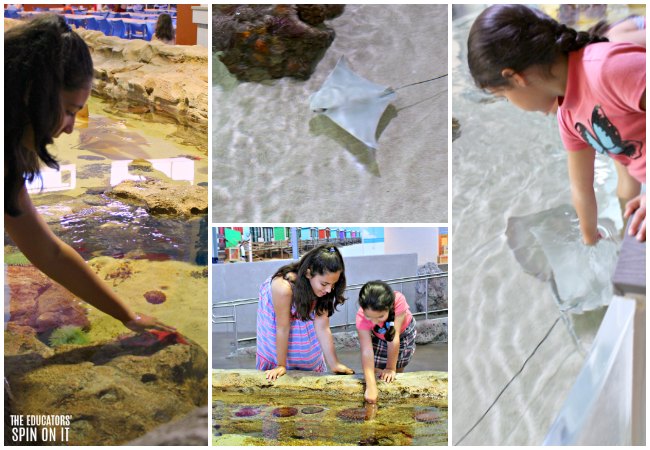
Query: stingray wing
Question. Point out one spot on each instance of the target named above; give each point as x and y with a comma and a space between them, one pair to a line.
355, 104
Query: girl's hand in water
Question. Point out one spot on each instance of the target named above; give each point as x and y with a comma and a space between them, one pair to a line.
342, 369
276, 373
637, 225
371, 394
142, 322
387, 375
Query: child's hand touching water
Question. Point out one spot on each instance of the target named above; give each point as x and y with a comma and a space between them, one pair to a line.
142, 322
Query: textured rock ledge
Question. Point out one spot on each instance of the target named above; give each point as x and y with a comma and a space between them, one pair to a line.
427, 384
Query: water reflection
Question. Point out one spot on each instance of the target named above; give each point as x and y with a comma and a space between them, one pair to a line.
54, 180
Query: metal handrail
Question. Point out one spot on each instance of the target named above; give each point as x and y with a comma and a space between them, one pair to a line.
232, 318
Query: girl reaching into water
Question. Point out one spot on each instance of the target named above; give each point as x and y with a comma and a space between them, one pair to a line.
533, 61
48, 78
382, 312
295, 304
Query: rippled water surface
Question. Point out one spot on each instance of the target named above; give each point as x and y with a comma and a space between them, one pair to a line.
508, 163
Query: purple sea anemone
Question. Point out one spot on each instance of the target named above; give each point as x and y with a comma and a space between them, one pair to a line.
155, 297
247, 411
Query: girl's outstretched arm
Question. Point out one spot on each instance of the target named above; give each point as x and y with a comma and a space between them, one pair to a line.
324, 334
581, 174
389, 373
60, 262
368, 365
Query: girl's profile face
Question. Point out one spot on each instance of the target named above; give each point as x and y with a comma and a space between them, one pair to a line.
72, 102
528, 92
376, 317
323, 284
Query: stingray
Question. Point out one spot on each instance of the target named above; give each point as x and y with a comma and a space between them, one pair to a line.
548, 245
353, 102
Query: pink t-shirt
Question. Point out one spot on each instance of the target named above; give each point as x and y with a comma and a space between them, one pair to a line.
601, 108
401, 307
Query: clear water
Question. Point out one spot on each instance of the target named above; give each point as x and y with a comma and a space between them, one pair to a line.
389, 424
276, 161
508, 163
163, 253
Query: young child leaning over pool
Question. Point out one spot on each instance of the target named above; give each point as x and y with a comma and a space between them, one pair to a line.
533, 61
382, 312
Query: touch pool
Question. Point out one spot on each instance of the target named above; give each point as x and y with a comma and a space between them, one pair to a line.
327, 410
64, 357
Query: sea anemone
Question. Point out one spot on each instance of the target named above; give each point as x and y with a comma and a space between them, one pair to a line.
353, 414
68, 335
312, 409
155, 297
247, 411
284, 411
427, 416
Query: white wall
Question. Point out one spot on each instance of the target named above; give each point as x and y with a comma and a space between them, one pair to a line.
423, 241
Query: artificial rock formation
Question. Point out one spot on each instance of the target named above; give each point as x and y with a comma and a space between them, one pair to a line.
261, 42
150, 76
431, 293
160, 197
114, 392
424, 384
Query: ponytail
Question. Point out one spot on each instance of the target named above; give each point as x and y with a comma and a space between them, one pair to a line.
518, 37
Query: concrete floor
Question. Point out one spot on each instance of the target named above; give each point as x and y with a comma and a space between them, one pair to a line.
427, 357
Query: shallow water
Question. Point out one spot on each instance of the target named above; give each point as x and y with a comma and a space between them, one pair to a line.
508, 163
237, 420
163, 253
274, 160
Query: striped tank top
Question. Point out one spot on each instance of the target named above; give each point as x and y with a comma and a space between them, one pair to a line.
304, 351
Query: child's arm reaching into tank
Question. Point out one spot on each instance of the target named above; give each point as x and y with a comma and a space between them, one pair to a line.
64, 265
389, 373
368, 365
281, 297
581, 174
324, 335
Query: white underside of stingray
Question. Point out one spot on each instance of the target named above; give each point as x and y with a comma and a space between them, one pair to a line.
352, 102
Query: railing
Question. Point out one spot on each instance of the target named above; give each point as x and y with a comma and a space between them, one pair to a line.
231, 318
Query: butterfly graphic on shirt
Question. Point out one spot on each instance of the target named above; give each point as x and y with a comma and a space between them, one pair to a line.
605, 137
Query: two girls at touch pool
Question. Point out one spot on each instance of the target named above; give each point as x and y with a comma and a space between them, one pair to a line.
598, 86
293, 331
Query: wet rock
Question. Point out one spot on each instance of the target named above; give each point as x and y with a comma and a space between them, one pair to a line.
284, 411
261, 42
101, 387
188, 430
432, 292
41, 304
163, 198
424, 384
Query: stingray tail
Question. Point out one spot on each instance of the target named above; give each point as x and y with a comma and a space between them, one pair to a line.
418, 82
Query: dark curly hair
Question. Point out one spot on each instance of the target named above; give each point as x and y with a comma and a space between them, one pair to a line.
164, 27
43, 57
518, 37
379, 296
319, 261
